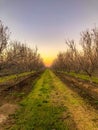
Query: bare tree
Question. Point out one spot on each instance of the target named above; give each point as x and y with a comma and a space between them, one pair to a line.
4, 35
73, 56
88, 59
17, 57
20, 58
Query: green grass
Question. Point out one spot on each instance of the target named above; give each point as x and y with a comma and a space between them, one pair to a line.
76, 105
49, 101
13, 77
37, 110
82, 76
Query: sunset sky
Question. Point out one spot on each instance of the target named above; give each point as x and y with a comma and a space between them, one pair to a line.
47, 23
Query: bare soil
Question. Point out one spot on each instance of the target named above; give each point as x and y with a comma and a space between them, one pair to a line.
11, 95
88, 91
73, 93
84, 114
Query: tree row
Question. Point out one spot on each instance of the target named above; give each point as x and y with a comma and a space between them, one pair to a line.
80, 57
16, 57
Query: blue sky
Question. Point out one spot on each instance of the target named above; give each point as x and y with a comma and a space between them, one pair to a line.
47, 23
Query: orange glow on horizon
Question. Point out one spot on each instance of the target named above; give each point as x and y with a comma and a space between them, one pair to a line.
48, 56
48, 61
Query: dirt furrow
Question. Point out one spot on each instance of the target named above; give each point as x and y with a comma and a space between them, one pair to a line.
85, 116
11, 96
89, 92
53, 105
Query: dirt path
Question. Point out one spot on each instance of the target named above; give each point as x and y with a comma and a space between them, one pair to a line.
6, 110
90, 88
88, 91
52, 105
10, 98
85, 116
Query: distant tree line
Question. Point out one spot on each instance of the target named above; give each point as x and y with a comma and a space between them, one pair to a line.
78, 60
16, 57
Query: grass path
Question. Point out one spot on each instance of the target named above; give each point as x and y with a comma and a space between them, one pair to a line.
81, 76
14, 77
52, 106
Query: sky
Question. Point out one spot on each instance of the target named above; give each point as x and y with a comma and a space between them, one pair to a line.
47, 23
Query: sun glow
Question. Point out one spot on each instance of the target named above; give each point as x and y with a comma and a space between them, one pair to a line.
48, 56
48, 61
